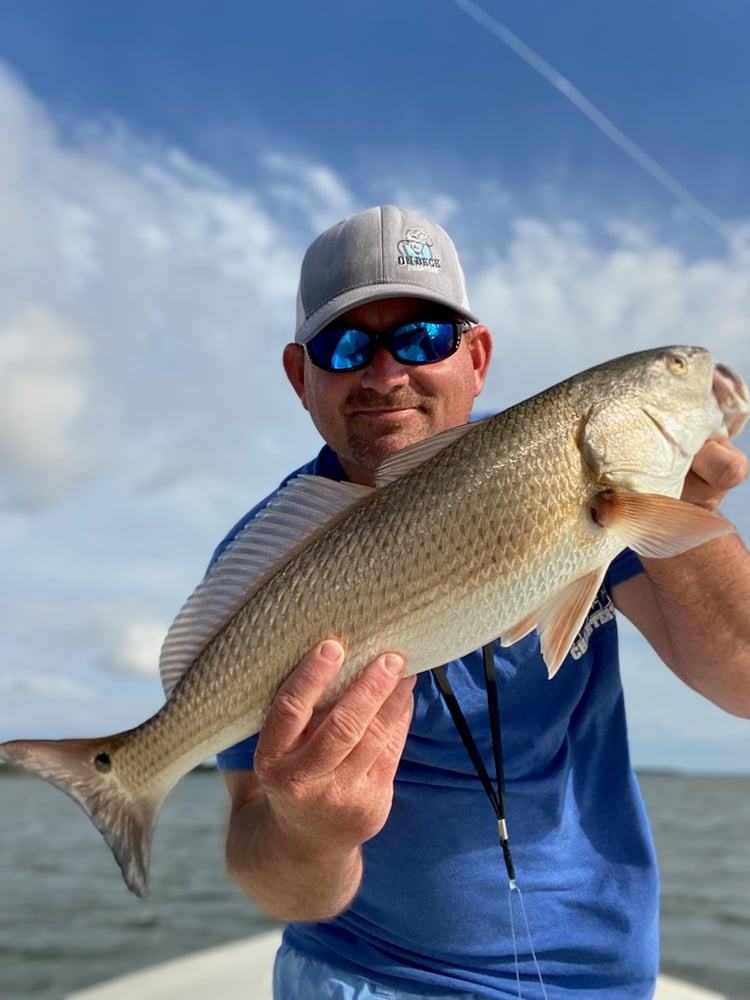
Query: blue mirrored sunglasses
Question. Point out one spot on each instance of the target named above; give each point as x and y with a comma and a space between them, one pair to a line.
340, 348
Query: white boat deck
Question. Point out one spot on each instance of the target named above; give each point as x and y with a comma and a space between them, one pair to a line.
242, 971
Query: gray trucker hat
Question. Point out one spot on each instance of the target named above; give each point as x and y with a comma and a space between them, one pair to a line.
377, 254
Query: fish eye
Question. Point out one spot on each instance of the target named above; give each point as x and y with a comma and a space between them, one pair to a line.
677, 364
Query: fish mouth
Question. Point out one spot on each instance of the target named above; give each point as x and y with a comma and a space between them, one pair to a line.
660, 423
732, 397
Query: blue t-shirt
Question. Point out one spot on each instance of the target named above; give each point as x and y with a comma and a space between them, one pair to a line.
433, 910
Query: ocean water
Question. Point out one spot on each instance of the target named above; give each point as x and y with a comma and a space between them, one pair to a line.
67, 921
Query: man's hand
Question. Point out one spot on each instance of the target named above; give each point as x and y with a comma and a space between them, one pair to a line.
322, 786
328, 775
717, 468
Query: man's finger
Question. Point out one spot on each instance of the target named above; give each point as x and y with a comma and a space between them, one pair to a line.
345, 725
720, 464
293, 707
379, 751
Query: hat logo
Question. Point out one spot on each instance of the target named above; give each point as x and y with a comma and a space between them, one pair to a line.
415, 250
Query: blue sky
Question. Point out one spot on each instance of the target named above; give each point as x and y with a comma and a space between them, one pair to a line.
162, 168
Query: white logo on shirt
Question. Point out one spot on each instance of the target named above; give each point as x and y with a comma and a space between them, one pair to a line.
602, 611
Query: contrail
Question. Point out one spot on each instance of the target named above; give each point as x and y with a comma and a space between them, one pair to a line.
604, 124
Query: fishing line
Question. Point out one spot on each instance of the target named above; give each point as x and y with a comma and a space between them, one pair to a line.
513, 888
602, 122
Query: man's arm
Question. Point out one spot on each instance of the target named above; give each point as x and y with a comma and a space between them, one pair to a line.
322, 786
695, 608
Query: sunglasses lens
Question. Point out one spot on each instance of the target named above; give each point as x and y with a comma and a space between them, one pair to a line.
423, 343
341, 349
346, 349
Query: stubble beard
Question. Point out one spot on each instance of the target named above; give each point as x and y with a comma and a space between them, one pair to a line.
369, 450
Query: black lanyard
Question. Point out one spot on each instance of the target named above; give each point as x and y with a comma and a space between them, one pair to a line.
496, 798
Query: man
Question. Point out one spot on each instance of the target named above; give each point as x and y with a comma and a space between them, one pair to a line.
365, 825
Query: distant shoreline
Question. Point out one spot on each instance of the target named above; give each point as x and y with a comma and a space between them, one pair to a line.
14, 770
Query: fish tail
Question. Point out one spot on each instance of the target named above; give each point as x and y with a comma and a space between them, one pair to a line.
86, 770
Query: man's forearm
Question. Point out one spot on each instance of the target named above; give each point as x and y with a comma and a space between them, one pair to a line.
703, 597
286, 880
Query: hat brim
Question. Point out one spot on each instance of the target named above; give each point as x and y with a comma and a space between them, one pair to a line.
360, 296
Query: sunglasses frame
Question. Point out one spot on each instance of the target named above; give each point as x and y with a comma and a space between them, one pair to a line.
385, 339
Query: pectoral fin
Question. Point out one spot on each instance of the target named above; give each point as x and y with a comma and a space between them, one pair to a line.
657, 526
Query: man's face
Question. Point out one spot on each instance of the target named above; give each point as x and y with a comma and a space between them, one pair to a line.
367, 415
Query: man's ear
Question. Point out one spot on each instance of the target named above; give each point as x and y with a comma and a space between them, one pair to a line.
480, 347
294, 366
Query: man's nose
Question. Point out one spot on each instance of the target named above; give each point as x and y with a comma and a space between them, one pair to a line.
384, 371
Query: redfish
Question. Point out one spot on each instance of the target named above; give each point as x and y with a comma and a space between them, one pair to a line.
490, 529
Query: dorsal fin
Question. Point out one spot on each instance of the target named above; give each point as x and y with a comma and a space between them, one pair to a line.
297, 514
409, 458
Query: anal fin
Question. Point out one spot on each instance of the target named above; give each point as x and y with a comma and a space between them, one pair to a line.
519, 630
561, 618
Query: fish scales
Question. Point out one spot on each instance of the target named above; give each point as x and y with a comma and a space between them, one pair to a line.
490, 529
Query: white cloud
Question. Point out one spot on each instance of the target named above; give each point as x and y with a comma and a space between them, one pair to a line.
139, 649
558, 299
311, 191
119, 639
44, 385
47, 686
162, 289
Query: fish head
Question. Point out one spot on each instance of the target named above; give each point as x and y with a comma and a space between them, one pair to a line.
648, 414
